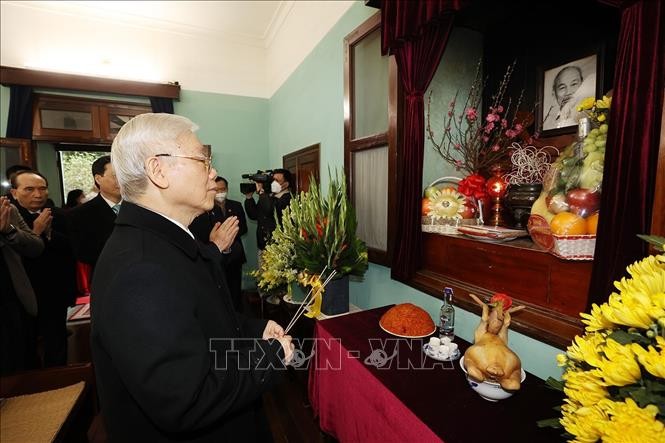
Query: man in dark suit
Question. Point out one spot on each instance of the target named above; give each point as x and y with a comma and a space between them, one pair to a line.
270, 203
173, 360
234, 257
18, 303
51, 273
91, 224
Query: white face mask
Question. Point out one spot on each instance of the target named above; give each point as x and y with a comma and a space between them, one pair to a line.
220, 196
275, 187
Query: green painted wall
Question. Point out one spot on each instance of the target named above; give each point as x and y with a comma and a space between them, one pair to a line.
455, 73
308, 108
237, 129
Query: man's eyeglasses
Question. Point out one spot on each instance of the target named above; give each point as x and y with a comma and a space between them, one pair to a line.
207, 161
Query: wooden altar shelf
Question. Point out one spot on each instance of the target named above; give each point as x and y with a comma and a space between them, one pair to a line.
554, 290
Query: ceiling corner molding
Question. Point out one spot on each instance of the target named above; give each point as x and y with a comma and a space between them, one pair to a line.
52, 80
277, 21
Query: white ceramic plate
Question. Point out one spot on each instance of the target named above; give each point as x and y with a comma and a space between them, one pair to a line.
428, 352
408, 336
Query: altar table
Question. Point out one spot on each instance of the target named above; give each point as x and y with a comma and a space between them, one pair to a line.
360, 395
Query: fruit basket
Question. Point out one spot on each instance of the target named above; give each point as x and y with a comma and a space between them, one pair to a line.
574, 247
444, 208
567, 247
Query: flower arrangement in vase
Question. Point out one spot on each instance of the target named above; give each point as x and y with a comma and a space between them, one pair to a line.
317, 236
614, 374
473, 143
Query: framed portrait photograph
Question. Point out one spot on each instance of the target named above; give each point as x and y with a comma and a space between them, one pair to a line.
561, 88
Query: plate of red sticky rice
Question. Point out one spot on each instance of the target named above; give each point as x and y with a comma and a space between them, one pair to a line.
407, 320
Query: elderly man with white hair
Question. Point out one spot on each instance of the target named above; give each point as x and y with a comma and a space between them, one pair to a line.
174, 361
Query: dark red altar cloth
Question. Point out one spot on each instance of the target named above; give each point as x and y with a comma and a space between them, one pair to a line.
360, 394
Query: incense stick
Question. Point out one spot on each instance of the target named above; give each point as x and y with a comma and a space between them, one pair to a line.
306, 302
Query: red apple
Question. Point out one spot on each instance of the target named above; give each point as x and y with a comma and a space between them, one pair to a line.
582, 201
469, 210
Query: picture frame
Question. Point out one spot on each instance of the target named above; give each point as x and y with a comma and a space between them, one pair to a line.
577, 77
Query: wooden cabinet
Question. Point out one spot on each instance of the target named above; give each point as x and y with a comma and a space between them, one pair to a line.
59, 118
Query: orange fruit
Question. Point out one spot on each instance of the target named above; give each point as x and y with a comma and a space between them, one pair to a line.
567, 223
592, 223
426, 206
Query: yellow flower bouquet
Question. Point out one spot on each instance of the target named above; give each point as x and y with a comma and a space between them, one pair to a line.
316, 239
614, 377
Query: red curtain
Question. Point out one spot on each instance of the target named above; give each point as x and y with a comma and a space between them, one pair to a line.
632, 152
416, 32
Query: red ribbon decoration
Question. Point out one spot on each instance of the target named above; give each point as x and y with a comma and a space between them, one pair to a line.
473, 186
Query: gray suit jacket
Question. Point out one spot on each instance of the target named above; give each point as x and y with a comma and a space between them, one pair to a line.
24, 243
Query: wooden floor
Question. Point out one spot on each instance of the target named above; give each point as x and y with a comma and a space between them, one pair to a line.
290, 415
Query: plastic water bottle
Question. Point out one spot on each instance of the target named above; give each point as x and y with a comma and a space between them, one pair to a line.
447, 315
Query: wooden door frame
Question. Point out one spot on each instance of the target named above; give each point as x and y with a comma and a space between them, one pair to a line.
309, 150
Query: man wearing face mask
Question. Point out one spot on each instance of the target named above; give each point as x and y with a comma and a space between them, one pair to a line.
269, 203
234, 257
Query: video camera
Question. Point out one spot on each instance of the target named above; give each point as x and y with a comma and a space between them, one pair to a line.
259, 177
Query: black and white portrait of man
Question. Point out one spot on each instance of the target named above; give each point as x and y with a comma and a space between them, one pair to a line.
563, 88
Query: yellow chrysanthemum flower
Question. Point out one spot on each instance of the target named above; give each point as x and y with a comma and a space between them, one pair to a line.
586, 103
628, 309
619, 367
631, 424
652, 359
585, 423
584, 387
595, 320
587, 349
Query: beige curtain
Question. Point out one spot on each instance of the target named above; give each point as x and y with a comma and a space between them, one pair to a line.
370, 188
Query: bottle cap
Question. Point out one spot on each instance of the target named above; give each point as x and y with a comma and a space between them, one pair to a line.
448, 291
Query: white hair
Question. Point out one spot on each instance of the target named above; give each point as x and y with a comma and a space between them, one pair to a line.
140, 138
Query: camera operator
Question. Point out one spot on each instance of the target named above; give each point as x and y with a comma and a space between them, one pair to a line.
270, 202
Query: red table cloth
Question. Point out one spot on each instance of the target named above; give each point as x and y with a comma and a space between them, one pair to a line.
360, 394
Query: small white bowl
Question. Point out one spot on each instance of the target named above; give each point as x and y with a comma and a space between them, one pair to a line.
488, 390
